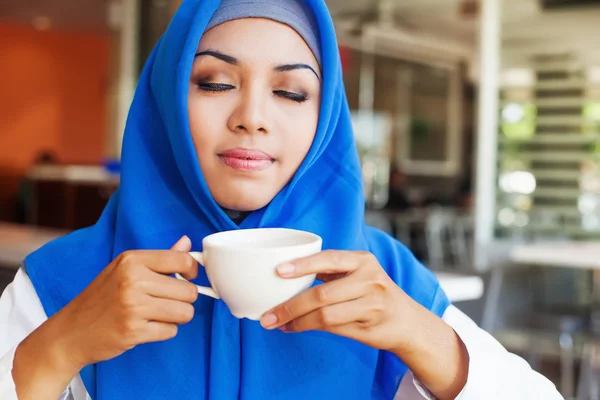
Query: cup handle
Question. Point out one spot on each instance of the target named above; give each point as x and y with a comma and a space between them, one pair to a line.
207, 291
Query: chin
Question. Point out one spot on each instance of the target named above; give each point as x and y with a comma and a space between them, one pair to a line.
243, 200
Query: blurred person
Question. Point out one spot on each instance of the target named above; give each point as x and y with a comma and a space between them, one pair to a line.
398, 197
45, 157
240, 121
398, 200
465, 193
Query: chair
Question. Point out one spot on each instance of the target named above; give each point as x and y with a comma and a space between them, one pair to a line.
588, 387
461, 240
437, 229
568, 322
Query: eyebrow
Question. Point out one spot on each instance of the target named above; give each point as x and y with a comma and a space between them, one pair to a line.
218, 55
292, 67
234, 61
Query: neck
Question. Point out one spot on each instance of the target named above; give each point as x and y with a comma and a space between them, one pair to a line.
236, 216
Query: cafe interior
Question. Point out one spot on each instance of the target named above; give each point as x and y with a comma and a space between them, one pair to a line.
477, 124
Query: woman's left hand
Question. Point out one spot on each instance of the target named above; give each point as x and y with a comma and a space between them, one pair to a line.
358, 300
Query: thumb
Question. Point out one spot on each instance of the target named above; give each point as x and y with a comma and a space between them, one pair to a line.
184, 245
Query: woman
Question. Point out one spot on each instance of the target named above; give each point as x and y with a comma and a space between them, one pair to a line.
240, 120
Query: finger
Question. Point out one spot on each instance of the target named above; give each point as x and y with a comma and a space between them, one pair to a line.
158, 332
166, 310
166, 287
331, 277
317, 297
334, 318
162, 261
325, 262
184, 244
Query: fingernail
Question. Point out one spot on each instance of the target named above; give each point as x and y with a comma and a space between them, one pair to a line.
284, 328
286, 269
182, 239
268, 320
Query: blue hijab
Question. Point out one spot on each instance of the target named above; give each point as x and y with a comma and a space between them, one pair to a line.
163, 196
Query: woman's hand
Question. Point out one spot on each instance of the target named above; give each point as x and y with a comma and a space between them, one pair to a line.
132, 301
360, 301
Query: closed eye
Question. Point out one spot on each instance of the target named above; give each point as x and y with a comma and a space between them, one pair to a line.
297, 97
214, 87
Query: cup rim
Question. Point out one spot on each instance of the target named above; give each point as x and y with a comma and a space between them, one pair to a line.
209, 241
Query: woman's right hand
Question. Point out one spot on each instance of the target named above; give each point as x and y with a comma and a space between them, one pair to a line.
132, 301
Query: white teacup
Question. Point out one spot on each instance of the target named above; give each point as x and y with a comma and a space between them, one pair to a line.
241, 267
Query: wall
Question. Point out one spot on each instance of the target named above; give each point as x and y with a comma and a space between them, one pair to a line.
54, 96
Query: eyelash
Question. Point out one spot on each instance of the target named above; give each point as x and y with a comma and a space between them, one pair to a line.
220, 87
297, 97
214, 87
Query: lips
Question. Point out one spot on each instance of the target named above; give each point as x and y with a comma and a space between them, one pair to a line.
246, 160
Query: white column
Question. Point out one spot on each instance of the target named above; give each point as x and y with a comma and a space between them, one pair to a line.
366, 94
487, 128
124, 20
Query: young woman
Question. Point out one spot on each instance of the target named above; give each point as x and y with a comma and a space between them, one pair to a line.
240, 120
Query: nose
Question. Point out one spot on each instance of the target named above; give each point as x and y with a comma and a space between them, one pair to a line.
249, 115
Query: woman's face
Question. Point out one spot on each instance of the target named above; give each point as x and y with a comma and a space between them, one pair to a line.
253, 105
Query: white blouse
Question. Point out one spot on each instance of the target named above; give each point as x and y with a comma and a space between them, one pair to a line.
494, 373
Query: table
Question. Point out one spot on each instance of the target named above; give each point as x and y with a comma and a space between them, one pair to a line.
17, 241
68, 196
461, 287
569, 254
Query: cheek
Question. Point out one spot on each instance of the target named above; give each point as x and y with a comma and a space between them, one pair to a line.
206, 123
301, 130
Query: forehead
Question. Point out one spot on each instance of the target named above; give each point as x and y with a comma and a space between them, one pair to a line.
258, 39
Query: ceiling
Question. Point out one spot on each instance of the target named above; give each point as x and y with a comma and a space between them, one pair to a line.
525, 27
442, 15
443, 18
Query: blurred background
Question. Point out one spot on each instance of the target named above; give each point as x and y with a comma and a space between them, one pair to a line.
477, 122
